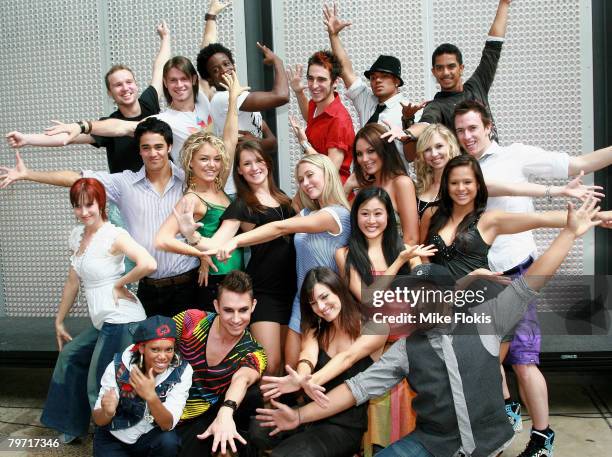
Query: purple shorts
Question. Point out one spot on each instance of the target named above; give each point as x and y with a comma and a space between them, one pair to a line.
527, 340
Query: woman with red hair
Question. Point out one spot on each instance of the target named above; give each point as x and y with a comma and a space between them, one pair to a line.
97, 263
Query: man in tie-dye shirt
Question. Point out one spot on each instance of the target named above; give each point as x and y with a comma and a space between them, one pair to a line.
226, 361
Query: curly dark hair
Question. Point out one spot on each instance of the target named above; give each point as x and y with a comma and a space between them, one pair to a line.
327, 60
206, 53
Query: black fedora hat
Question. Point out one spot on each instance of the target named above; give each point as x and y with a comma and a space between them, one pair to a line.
386, 64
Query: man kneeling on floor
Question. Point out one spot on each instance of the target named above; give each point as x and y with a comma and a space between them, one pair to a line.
454, 368
143, 394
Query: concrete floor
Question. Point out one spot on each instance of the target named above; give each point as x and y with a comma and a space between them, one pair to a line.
580, 403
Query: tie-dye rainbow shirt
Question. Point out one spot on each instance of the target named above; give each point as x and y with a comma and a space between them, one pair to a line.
210, 383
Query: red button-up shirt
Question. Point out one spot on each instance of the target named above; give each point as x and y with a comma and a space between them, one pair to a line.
333, 128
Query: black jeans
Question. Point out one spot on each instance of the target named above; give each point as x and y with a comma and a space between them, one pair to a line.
155, 443
168, 300
320, 439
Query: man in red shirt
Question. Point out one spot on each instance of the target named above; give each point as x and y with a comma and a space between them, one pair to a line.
329, 127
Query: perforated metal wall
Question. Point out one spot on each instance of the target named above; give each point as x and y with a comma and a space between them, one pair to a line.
541, 95
55, 54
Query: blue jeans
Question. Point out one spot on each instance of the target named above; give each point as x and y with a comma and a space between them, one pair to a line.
75, 383
407, 446
155, 443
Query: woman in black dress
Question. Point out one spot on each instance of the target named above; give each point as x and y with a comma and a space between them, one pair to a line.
272, 264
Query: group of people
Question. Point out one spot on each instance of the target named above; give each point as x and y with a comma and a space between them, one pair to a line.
190, 187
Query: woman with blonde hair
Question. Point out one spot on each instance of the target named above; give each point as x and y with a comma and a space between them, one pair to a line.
322, 226
206, 162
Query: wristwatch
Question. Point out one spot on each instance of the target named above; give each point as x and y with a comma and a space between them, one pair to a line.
230, 404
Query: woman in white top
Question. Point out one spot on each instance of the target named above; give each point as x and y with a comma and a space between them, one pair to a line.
98, 252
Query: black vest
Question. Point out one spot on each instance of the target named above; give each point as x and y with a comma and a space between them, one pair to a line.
436, 426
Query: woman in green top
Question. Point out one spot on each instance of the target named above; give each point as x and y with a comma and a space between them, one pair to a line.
206, 162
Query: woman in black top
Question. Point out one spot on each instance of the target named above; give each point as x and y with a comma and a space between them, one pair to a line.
272, 264
334, 348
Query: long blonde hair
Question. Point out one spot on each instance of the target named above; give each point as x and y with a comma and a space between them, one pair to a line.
333, 193
424, 173
192, 145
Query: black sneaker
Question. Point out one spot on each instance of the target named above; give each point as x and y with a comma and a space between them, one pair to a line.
540, 444
513, 411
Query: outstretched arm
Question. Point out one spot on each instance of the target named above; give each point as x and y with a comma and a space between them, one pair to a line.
334, 27
210, 27
230, 129
279, 95
498, 28
573, 189
591, 162
223, 428
20, 172
19, 140
298, 88
163, 55
578, 222
107, 127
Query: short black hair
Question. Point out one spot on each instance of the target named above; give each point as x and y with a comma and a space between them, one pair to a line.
206, 53
446, 48
154, 125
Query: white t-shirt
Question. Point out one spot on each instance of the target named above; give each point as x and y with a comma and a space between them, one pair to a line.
175, 400
184, 123
247, 121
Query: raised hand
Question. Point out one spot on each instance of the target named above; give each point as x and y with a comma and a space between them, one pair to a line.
10, 175
61, 334
232, 85
580, 220
269, 56
395, 132
331, 21
297, 129
575, 189
216, 6
16, 139
162, 29
295, 78
410, 109
73, 130
184, 217
281, 417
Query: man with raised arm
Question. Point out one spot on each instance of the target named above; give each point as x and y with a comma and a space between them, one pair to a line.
454, 368
380, 102
512, 254
447, 68
122, 152
215, 60
329, 127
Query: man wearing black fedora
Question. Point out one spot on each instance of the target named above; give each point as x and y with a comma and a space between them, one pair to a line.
381, 102
447, 68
